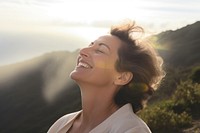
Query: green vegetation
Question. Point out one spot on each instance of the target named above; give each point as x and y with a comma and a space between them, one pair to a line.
173, 108
163, 120
176, 113
195, 76
175, 105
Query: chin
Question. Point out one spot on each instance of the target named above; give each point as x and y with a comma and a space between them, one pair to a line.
72, 74
75, 75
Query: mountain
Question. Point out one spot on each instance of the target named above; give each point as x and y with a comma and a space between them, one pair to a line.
34, 93
180, 47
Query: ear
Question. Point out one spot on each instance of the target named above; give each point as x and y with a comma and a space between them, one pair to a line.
123, 78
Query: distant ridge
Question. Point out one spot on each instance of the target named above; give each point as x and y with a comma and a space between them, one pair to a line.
27, 89
183, 45
28, 92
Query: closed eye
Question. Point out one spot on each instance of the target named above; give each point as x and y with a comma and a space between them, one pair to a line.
100, 48
99, 51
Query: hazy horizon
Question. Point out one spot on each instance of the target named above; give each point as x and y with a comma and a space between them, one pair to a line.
30, 28
20, 46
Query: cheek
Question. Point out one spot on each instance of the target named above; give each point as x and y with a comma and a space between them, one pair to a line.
107, 65
102, 76
105, 69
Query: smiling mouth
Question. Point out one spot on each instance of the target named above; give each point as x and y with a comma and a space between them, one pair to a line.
84, 65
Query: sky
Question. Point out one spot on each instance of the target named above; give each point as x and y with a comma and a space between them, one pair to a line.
32, 27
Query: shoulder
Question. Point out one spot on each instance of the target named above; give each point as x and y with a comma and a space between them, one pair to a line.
61, 122
125, 120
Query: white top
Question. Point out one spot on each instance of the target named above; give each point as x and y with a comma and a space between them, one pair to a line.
121, 121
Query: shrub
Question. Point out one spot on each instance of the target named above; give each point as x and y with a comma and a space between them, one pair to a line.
176, 114
162, 120
187, 98
195, 76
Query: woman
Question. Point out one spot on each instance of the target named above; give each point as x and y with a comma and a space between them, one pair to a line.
116, 74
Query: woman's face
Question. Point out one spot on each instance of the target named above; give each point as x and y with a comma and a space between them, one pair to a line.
96, 63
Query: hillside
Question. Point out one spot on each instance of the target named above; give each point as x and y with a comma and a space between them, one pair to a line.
180, 47
36, 92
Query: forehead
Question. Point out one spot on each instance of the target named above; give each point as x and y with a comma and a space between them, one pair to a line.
110, 40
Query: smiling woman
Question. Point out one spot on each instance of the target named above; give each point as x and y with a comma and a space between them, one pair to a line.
116, 75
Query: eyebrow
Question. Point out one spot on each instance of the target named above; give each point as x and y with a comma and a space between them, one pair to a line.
100, 44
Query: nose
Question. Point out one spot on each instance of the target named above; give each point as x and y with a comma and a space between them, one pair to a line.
85, 52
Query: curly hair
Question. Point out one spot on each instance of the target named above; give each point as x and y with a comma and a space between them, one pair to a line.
143, 61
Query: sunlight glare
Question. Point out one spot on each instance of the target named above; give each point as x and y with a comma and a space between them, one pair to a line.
89, 33
89, 11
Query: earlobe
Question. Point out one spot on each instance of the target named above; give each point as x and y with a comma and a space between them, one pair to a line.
124, 78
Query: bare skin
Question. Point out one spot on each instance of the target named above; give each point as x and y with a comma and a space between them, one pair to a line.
99, 81
93, 114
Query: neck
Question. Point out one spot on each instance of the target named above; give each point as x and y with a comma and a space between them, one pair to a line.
97, 105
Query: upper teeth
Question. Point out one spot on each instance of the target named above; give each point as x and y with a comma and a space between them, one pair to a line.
84, 65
